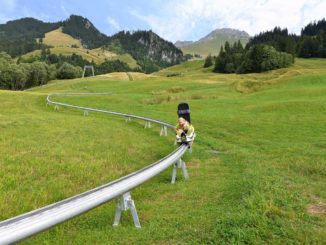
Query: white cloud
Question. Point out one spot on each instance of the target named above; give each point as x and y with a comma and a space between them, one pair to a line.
182, 19
64, 11
313, 10
113, 23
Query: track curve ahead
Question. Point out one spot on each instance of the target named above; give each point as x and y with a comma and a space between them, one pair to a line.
28, 224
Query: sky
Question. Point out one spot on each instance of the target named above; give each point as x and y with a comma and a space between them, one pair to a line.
173, 19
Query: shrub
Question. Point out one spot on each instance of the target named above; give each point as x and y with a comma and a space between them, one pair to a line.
68, 71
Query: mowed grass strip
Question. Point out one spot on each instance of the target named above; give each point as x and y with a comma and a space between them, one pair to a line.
256, 172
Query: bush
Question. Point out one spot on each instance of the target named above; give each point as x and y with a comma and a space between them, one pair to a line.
68, 71
112, 66
12, 77
38, 74
19, 78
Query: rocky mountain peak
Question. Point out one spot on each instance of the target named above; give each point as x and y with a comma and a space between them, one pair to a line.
230, 33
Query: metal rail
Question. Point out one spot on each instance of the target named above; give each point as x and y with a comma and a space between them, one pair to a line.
49, 101
23, 226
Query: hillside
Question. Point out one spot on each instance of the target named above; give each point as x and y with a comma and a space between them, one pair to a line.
257, 171
211, 43
19, 36
66, 45
141, 49
96, 55
57, 38
82, 29
151, 51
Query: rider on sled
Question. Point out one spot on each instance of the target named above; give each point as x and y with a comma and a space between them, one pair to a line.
185, 132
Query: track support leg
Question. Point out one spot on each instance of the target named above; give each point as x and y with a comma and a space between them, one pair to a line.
125, 203
181, 164
147, 124
164, 131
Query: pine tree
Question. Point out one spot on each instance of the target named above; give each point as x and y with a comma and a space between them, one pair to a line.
208, 61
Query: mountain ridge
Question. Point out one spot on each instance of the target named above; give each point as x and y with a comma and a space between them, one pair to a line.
211, 43
18, 37
83, 29
148, 48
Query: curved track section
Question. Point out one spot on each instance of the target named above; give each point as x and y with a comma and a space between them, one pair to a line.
23, 226
49, 101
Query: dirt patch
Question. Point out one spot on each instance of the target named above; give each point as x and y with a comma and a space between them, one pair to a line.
316, 209
318, 206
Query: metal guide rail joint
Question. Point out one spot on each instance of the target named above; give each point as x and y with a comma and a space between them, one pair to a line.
25, 225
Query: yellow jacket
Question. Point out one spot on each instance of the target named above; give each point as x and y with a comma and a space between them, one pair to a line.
185, 134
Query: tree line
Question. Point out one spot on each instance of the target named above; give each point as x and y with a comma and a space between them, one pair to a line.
271, 50
257, 58
19, 37
22, 74
25, 75
311, 42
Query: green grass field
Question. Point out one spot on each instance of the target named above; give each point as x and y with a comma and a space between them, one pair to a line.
257, 171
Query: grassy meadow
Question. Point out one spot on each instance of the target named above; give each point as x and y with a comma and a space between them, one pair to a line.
66, 45
58, 38
257, 171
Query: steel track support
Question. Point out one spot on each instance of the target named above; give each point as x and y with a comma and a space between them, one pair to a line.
147, 124
164, 131
179, 164
125, 203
